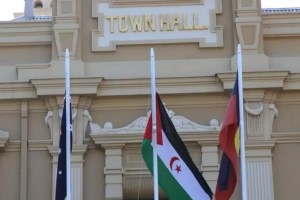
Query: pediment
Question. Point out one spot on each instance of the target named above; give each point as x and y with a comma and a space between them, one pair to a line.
182, 125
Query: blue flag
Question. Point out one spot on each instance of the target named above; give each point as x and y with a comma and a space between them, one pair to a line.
61, 176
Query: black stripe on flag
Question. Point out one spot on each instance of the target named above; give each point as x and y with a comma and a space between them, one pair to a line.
179, 146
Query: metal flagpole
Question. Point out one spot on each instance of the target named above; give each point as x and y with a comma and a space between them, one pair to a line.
154, 136
68, 146
242, 130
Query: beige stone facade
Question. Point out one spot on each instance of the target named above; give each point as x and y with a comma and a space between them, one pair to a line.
110, 89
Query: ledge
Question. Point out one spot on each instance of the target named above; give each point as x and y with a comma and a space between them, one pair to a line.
17, 90
281, 24
177, 85
25, 33
57, 86
255, 80
4, 136
133, 138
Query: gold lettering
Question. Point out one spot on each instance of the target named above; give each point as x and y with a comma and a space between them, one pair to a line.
136, 23
176, 21
185, 23
164, 20
150, 22
123, 24
195, 21
111, 19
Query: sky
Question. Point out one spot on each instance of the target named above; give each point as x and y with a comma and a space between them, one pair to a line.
7, 8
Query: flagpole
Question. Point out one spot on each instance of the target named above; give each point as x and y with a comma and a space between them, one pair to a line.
68, 146
242, 130
154, 136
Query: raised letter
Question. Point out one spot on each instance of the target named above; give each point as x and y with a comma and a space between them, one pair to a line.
150, 22
111, 19
123, 24
185, 23
176, 21
164, 22
136, 23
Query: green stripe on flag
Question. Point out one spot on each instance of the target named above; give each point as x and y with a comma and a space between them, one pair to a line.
166, 180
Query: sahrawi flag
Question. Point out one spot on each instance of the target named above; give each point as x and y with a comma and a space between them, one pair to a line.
61, 179
178, 176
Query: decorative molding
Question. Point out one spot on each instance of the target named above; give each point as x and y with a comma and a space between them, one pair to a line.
25, 33
208, 37
255, 80
164, 86
13, 146
4, 137
181, 124
39, 145
273, 108
292, 81
286, 137
17, 90
254, 120
57, 86
254, 111
260, 178
280, 24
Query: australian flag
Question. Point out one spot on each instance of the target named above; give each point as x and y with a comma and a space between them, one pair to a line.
61, 176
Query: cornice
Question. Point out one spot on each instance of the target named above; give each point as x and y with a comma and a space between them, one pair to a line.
76, 150
292, 82
25, 33
13, 145
176, 85
38, 145
286, 137
17, 90
281, 24
134, 138
255, 80
57, 86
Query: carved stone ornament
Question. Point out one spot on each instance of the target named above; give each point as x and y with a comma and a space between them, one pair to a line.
272, 107
254, 111
181, 124
74, 113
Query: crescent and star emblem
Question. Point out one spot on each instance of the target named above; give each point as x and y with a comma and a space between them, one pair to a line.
178, 167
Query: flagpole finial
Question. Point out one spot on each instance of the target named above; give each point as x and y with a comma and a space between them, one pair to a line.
28, 9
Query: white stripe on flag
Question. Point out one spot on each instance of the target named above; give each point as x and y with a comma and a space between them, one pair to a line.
185, 178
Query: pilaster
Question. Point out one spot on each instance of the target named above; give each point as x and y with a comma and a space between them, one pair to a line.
248, 26
210, 163
76, 170
113, 171
259, 170
66, 28
260, 111
24, 150
80, 119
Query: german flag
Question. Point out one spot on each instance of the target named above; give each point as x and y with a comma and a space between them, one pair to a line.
229, 143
